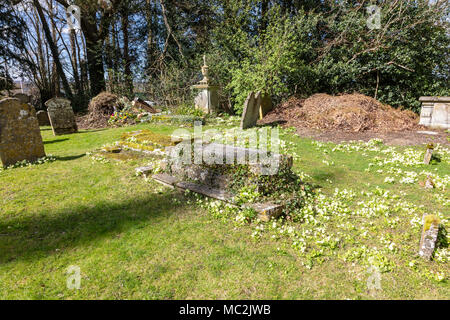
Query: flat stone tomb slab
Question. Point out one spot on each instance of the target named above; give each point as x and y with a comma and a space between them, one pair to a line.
262, 161
265, 211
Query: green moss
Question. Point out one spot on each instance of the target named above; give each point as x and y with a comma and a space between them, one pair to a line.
430, 220
149, 139
121, 156
137, 146
111, 149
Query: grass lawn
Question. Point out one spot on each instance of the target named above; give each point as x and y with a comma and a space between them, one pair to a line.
134, 239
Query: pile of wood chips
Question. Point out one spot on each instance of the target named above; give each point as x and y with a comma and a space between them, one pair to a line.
347, 112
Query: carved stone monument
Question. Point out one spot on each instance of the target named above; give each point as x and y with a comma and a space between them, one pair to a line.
435, 112
208, 99
20, 138
61, 116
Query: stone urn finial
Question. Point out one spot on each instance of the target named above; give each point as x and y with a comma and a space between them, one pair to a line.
205, 67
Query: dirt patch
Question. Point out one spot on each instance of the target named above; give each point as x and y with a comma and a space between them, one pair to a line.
395, 138
351, 117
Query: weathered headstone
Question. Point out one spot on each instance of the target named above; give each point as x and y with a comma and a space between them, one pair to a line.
139, 103
61, 116
43, 119
251, 112
428, 155
429, 236
20, 137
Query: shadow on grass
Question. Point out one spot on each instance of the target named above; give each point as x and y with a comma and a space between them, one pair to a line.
272, 124
49, 232
55, 141
323, 176
69, 158
91, 130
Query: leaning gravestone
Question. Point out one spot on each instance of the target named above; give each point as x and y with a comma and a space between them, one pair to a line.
61, 116
20, 138
428, 155
42, 117
251, 112
429, 236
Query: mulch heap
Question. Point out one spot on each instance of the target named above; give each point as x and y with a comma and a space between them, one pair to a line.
100, 110
347, 112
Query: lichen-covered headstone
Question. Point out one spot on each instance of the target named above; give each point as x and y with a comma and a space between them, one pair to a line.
250, 113
428, 155
20, 137
429, 236
42, 117
62, 118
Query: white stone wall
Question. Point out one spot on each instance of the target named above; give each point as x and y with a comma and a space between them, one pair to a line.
435, 112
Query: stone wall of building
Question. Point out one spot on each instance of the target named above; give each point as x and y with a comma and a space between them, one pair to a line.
435, 112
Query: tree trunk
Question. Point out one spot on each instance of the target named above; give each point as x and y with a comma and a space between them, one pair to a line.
95, 64
126, 55
73, 57
94, 54
55, 78
53, 49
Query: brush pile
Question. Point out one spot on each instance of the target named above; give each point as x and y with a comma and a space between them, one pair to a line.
347, 112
